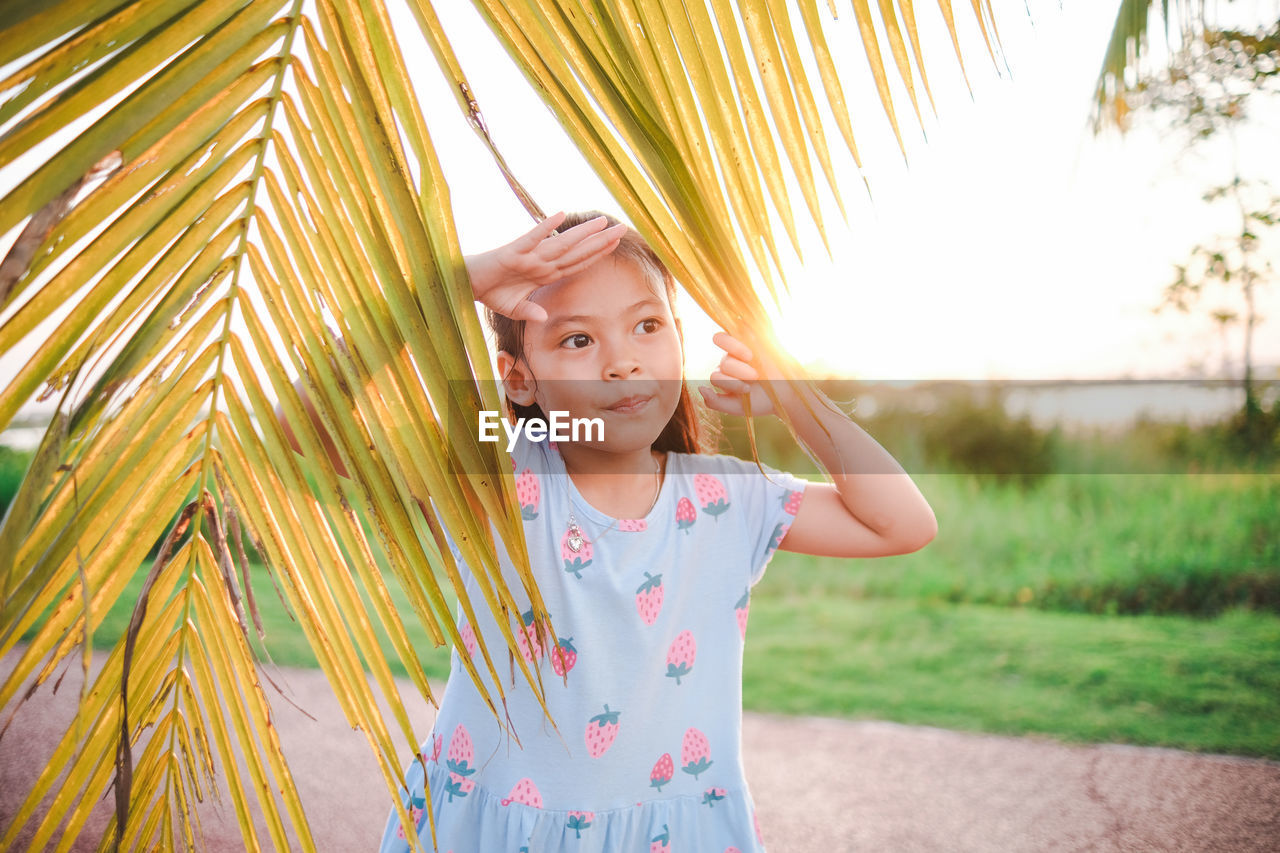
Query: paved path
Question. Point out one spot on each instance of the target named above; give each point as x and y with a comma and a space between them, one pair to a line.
820, 785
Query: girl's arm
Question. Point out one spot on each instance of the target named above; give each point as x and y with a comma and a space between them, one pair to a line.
873, 509
505, 277
326, 440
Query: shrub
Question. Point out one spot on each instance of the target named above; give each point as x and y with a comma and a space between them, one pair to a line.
13, 467
978, 436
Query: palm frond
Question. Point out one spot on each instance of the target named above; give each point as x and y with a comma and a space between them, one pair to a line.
181, 291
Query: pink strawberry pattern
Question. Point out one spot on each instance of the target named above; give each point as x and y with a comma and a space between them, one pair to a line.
461, 758
527, 638
468, 639
437, 744
712, 496
680, 656
661, 843
601, 731
712, 796
524, 792
528, 492
563, 656
791, 505
732, 850
695, 753
686, 515
575, 561
755, 819
740, 610
649, 598
791, 501
663, 770
414, 812
633, 525
579, 821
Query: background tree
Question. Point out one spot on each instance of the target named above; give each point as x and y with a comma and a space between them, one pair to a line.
1214, 83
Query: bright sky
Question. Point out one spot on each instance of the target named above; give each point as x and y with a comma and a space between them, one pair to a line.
1016, 245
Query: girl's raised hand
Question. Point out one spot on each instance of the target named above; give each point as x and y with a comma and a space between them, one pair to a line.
503, 278
735, 380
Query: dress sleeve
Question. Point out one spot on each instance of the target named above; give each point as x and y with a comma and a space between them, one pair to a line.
771, 503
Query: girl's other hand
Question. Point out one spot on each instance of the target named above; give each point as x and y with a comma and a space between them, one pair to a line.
505, 277
735, 380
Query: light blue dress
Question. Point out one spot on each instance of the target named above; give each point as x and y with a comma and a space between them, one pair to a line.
650, 616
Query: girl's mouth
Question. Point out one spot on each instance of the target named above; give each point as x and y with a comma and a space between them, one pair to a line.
629, 405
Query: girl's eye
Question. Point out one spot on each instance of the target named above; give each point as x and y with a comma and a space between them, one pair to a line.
582, 340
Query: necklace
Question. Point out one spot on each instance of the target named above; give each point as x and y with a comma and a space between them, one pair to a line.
576, 540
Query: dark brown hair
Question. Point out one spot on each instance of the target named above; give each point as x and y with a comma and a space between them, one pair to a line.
692, 429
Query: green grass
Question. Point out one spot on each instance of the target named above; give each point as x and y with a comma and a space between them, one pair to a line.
13, 467
1086, 543
1207, 685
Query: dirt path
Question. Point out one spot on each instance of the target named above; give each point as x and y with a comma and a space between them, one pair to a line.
820, 785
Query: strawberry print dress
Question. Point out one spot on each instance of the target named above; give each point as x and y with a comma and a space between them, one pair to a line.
644, 678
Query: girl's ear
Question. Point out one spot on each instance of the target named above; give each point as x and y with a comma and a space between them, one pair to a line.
517, 380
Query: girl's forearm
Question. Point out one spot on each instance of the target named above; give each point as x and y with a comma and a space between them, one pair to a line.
326, 440
871, 483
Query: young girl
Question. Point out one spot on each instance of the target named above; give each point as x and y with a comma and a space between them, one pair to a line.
645, 548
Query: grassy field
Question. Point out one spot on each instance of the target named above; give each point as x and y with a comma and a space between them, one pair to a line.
1205, 685
991, 627
1188, 544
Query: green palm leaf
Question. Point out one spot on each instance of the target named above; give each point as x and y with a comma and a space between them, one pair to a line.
242, 177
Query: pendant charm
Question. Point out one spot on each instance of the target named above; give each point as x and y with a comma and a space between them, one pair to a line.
575, 538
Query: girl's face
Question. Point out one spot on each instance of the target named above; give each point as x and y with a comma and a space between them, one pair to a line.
610, 349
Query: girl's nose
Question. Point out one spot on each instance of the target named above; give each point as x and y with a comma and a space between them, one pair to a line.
621, 361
